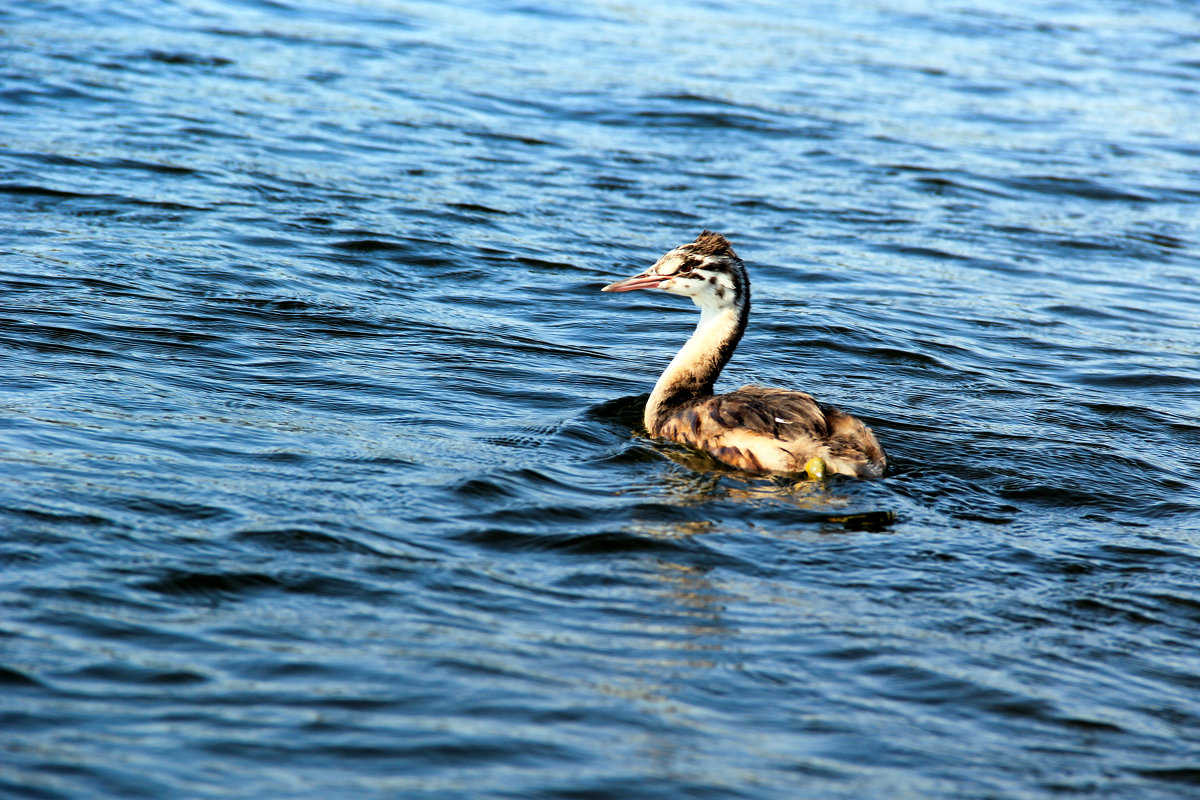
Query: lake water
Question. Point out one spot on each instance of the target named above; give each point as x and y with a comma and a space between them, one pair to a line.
322, 471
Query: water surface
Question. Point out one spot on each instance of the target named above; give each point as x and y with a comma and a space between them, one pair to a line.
321, 455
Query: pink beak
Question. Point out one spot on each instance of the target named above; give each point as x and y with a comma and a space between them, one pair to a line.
643, 281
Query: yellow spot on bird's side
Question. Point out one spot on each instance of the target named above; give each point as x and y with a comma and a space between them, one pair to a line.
815, 467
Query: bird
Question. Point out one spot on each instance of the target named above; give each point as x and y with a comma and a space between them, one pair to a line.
756, 429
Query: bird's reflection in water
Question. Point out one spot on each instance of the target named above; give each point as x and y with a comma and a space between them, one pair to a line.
697, 614
801, 505
705, 602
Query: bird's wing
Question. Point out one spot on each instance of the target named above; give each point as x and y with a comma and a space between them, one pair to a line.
760, 429
779, 413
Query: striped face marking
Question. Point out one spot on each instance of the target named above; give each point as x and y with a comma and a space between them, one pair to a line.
711, 280
706, 270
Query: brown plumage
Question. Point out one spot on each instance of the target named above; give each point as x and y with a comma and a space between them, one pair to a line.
712, 244
754, 428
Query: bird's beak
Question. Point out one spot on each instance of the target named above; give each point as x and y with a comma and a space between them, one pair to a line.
643, 281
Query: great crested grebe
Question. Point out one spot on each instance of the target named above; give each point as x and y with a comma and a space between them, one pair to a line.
755, 428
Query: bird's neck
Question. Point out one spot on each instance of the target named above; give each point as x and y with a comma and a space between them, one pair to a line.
692, 373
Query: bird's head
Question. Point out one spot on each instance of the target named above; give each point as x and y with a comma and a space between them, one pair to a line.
706, 270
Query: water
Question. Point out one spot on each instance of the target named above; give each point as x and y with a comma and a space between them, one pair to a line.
321, 470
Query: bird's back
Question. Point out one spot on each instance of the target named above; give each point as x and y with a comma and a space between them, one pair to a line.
761, 429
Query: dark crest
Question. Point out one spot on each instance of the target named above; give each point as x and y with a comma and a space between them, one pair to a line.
712, 244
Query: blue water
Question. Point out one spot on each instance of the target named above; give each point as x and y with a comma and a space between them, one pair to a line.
321, 471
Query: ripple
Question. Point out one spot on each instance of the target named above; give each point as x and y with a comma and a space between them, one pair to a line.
583, 544
1076, 187
299, 540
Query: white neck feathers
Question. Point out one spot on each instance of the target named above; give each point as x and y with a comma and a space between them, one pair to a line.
694, 370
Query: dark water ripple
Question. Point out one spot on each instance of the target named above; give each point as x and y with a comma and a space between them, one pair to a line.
321, 473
